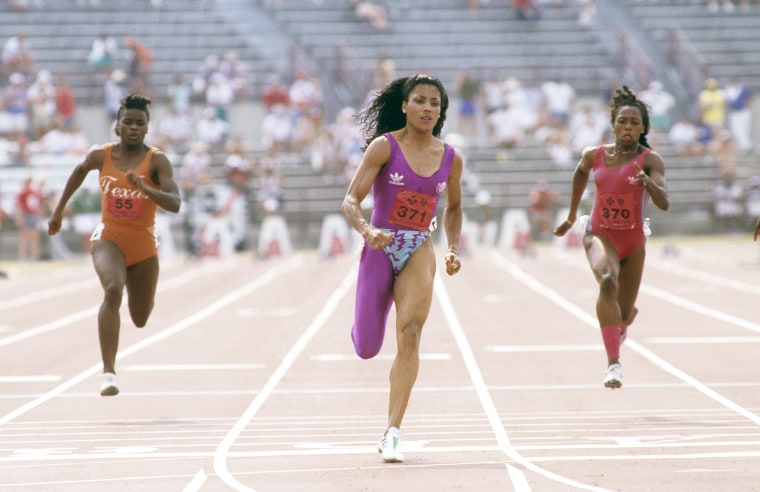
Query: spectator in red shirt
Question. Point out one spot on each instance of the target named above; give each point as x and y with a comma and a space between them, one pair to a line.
527, 9
28, 210
65, 102
275, 93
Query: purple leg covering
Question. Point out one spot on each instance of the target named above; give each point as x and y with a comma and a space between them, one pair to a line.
374, 297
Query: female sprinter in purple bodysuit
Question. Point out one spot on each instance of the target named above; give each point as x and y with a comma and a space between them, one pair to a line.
408, 168
626, 174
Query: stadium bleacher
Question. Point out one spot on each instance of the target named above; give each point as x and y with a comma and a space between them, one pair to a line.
439, 36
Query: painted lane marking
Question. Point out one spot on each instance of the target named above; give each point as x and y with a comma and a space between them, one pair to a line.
421, 389
590, 320
47, 294
364, 450
700, 340
258, 312
481, 389
543, 348
190, 367
698, 308
178, 327
706, 278
197, 482
30, 379
93, 310
223, 451
353, 357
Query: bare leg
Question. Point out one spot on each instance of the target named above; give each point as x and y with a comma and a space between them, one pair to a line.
109, 265
141, 287
631, 271
413, 294
605, 264
619, 283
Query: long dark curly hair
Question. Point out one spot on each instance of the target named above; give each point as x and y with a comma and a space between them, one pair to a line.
384, 113
624, 96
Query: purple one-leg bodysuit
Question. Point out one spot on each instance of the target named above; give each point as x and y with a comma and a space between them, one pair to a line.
405, 204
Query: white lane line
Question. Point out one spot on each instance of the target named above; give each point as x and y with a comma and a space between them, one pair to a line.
518, 479
93, 310
701, 340
197, 482
191, 320
486, 401
190, 367
650, 457
352, 357
752, 452
705, 278
544, 291
30, 379
223, 451
358, 391
47, 294
695, 307
246, 312
543, 348
52, 326
663, 295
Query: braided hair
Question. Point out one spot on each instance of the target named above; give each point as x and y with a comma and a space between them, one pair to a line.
384, 113
624, 96
134, 101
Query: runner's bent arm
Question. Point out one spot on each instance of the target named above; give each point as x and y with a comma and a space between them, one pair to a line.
654, 181
580, 180
92, 161
375, 157
161, 172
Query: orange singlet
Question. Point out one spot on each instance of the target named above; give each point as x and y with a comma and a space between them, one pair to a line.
128, 215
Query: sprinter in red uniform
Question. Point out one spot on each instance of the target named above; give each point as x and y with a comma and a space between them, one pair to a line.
626, 174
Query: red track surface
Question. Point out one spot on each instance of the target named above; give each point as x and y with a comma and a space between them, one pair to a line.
245, 379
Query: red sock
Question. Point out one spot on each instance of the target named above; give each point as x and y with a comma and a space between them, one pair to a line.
611, 338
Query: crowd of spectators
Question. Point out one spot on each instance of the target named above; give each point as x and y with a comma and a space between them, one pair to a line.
516, 113
39, 115
715, 128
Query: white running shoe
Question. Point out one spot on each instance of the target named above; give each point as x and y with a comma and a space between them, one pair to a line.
109, 387
614, 376
390, 446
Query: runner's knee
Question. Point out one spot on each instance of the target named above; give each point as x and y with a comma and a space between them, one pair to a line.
608, 285
140, 315
409, 337
366, 349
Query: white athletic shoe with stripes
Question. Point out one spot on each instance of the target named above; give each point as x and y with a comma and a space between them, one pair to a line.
390, 446
613, 378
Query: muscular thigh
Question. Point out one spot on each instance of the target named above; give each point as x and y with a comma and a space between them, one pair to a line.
142, 278
413, 289
109, 264
629, 280
601, 255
